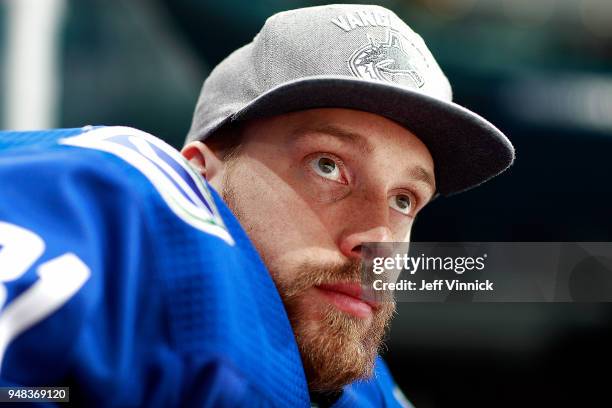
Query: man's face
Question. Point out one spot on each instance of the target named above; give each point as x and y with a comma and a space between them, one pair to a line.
310, 188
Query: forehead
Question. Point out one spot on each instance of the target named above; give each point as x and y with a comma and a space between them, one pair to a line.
371, 134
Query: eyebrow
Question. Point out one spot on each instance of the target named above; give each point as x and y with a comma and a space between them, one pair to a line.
417, 173
343, 134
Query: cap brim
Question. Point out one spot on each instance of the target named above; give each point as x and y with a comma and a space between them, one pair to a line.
467, 149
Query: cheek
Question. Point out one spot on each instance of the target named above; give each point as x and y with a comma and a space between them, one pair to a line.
279, 221
403, 227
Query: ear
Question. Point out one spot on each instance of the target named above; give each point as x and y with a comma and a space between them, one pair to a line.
202, 159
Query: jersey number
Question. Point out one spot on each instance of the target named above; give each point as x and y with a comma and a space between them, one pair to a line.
58, 280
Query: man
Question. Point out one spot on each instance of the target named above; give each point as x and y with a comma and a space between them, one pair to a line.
311, 186
127, 279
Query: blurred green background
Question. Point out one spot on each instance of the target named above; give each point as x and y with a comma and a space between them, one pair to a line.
540, 70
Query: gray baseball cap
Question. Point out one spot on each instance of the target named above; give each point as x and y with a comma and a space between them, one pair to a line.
357, 57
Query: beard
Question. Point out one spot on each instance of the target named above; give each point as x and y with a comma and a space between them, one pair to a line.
336, 348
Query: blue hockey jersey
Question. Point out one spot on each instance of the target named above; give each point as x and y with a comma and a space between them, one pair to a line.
126, 278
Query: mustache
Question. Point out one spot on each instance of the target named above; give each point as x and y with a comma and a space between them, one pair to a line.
310, 274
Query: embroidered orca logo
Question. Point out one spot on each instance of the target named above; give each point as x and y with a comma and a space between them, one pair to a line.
388, 61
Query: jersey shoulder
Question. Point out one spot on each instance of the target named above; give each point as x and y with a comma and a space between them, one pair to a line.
120, 155
18, 139
153, 233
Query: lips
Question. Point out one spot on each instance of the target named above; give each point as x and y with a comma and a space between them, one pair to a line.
347, 297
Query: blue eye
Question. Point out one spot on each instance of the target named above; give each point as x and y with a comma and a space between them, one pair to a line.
326, 167
401, 203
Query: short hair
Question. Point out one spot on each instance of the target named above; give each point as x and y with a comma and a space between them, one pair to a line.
226, 141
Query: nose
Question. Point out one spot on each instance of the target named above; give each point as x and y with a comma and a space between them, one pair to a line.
351, 244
